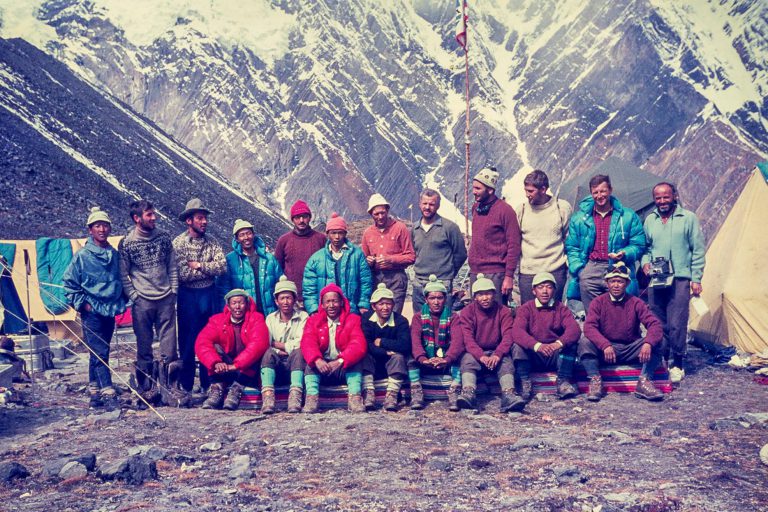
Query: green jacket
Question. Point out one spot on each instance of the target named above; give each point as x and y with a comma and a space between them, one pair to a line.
680, 240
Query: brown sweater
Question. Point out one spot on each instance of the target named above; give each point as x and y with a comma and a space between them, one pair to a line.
293, 251
485, 330
495, 246
611, 322
455, 347
544, 325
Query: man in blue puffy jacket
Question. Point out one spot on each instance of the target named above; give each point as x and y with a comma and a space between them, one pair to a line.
601, 232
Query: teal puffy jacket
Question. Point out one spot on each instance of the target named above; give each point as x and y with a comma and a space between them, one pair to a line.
354, 277
240, 274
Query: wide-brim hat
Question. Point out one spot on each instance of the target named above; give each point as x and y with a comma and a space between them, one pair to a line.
194, 205
377, 200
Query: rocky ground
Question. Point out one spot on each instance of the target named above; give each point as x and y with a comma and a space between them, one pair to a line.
697, 450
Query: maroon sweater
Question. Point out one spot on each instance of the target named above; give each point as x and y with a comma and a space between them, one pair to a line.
293, 252
544, 325
496, 240
455, 347
611, 322
484, 330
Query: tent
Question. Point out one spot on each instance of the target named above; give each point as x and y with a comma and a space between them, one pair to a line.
631, 185
735, 283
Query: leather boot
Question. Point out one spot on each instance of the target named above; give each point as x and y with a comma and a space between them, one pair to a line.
146, 384
369, 399
417, 396
390, 400
267, 400
511, 401
355, 403
215, 396
526, 389
566, 390
467, 399
168, 378
294, 399
453, 396
646, 390
595, 392
232, 401
311, 404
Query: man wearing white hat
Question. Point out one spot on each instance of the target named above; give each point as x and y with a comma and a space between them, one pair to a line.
495, 246
388, 249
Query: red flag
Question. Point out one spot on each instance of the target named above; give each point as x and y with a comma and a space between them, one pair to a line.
461, 26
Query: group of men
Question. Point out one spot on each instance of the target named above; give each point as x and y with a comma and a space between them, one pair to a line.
322, 308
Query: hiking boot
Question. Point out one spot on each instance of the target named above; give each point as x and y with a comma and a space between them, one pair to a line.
355, 403
646, 390
233, 397
526, 389
467, 399
566, 390
417, 396
268, 401
511, 401
595, 392
109, 398
453, 396
390, 400
311, 404
215, 397
294, 400
95, 401
676, 375
370, 399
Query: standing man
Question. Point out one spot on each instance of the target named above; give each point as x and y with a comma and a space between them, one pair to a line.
93, 287
294, 248
495, 246
439, 249
388, 249
251, 267
150, 275
543, 226
340, 262
601, 232
201, 260
673, 234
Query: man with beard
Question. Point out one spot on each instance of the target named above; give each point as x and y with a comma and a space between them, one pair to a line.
200, 260
150, 276
294, 248
495, 246
439, 248
543, 223
674, 234
388, 249
251, 267
93, 287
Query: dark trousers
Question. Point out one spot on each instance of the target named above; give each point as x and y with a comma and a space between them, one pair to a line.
97, 335
229, 378
417, 294
670, 305
397, 282
497, 278
561, 360
591, 356
395, 365
592, 282
195, 306
526, 282
292, 362
150, 316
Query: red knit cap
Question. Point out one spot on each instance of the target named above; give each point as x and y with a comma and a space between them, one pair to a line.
336, 222
300, 208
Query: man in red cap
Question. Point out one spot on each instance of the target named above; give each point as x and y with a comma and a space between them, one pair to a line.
295, 247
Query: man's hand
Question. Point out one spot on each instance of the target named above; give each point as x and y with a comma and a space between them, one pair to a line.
383, 262
617, 255
220, 368
323, 367
609, 355
647, 269
371, 260
279, 346
377, 342
362, 310
490, 362
645, 353
334, 365
547, 349
696, 289
87, 307
507, 284
194, 265
439, 363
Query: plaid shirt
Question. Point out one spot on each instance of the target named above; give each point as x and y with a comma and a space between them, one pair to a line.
602, 231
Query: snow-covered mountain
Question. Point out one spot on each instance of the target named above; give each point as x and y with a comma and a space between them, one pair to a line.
331, 100
67, 147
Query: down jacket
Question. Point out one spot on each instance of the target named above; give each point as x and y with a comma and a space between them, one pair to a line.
240, 274
354, 277
219, 331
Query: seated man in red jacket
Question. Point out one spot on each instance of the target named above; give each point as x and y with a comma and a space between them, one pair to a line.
230, 346
388, 336
545, 335
486, 328
333, 346
612, 332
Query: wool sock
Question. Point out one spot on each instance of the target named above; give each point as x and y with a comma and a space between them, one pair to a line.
469, 380
507, 381
354, 383
456, 375
312, 382
414, 375
368, 381
591, 365
268, 377
394, 384
297, 379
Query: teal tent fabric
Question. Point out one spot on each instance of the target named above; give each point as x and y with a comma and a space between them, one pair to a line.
763, 166
15, 320
53, 258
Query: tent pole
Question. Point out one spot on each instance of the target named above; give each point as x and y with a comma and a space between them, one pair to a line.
28, 272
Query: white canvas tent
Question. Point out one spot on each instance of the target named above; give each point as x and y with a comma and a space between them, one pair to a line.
735, 280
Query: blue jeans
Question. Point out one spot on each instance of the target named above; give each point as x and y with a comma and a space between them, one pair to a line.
195, 306
97, 334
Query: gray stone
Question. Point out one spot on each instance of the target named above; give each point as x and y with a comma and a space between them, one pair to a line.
73, 470
213, 446
532, 442
440, 465
151, 452
764, 454
134, 470
620, 497
11, 470
107, 417
726, 424
754, 418
479, 464
53, 468
250, 419
241, 467
621, 437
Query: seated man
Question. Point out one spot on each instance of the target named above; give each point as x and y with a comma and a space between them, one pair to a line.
229, 346
545, 334
486, 328
435, 347
612, 332
388, 336
286, 326
333, 346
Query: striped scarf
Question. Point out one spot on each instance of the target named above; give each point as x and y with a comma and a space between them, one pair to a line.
428, 339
